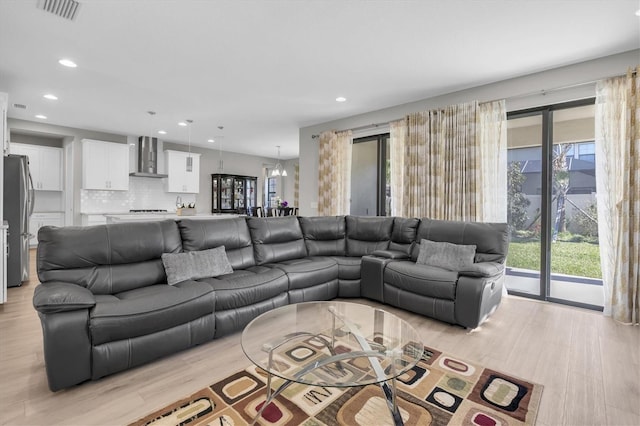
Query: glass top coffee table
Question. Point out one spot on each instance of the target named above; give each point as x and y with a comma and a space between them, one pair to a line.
337, 344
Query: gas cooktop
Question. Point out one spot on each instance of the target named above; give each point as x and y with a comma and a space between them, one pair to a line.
148, 211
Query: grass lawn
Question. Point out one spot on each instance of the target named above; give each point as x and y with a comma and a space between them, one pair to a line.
579, 259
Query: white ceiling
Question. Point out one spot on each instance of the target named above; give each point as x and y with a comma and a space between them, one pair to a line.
263, 69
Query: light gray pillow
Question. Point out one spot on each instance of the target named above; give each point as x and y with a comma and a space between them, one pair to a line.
453, 257
193, 265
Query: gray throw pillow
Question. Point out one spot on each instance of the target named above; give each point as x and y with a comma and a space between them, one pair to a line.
193, 265
453, 257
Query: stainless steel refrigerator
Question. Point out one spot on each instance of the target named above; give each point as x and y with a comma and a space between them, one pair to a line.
18, 206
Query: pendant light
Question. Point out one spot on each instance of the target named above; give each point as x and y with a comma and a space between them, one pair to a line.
220, 162
189, 157
278, 170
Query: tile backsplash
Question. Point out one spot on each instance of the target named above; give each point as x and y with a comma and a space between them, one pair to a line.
143, 193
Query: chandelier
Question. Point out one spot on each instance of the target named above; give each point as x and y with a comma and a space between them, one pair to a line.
278, 170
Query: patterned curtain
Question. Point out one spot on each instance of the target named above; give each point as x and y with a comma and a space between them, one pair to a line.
334, 173
441, 168
455, 163
492, 162
398, 130
618, 193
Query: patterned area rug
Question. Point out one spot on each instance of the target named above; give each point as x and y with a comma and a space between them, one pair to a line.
439, 390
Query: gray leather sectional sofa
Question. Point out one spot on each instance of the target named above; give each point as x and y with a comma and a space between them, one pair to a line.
105, 305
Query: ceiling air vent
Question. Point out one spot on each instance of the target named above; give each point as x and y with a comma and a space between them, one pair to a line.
20, 106
67, 9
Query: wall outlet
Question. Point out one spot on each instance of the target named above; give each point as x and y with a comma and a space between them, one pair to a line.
314, 204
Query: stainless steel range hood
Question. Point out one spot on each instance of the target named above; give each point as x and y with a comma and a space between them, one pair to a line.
147, 158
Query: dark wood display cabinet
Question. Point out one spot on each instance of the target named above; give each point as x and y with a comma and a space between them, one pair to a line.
233, 193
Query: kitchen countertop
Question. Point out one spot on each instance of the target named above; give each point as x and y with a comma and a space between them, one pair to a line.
145, 217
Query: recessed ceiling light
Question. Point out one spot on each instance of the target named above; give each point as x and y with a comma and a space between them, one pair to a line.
50, 97
67, 63
162, 132
182, 123
638, 12
41, 117
341, 99
132, 144
210, 140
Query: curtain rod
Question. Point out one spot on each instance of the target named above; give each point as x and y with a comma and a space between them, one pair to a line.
542, 92
365, 127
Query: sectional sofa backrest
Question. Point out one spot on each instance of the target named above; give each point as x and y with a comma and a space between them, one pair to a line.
233, 234
276, 239
403, 234
367, 234
324, 235
491, 239
107, 259
112, 259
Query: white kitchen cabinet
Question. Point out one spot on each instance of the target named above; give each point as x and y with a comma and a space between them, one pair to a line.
180, 180
105, 165
38, 220
45, 165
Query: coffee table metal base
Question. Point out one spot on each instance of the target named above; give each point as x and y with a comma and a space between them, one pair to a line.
388, 391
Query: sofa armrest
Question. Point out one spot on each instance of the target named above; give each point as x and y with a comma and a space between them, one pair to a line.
59, 296
483, 270
477, 298
391, 254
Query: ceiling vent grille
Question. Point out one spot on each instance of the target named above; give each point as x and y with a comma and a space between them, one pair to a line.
67, 9
20, 106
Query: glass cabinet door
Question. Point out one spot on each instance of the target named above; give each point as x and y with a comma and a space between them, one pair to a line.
251, 194
226, 193
238, 195
215, 193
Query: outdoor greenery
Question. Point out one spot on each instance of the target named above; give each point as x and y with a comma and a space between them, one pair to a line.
576, 254
587, 221
517, 202
570, 258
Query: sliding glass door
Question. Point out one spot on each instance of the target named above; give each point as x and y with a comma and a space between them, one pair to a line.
524, 202
554, 253
370, 183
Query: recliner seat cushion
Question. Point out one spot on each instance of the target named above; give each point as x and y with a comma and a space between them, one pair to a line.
348, 267
308, 272
147, 310
421, 279
247, 287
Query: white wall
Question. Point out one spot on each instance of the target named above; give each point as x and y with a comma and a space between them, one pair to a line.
520, 93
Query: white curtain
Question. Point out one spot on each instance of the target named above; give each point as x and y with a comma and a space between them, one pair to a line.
492, 159
398, 136
618, 193
334, 173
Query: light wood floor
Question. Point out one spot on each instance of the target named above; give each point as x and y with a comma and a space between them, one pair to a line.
588, 364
